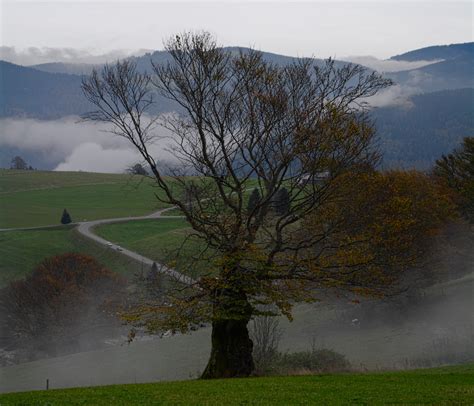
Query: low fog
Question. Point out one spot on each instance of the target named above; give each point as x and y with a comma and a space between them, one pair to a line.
388, 65
36, 56
428, 327
71, 145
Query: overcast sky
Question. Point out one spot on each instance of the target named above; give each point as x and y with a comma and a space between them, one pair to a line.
322, 29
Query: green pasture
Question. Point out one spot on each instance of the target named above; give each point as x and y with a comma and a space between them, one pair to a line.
21, 251
32, 199
440, 386
165, 240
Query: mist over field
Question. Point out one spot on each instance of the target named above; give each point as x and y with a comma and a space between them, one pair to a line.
71, 144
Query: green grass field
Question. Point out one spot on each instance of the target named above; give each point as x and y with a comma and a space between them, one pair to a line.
441, 386
156, 239
21, 251
35, 198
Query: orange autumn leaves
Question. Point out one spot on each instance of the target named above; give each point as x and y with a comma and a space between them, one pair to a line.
377, 225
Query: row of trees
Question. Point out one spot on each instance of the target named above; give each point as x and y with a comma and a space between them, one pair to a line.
241, 122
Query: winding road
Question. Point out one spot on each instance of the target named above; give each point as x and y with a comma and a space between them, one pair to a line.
86, 229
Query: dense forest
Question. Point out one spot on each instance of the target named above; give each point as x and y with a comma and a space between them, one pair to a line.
434, 125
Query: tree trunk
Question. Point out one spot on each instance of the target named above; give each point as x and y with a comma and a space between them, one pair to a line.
231, 353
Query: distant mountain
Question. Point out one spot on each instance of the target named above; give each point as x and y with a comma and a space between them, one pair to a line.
52, 90
69, 68
32, 93
28, 92
438, 52
144, 62
455, 73
442, 112
436, 123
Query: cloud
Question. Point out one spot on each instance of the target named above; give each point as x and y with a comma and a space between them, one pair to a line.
396, 95
387, 65
69, 144
34, 56
95, 158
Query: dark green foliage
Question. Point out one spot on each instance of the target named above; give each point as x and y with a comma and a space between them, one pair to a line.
457, 170
281, 202
66, 218
254, 200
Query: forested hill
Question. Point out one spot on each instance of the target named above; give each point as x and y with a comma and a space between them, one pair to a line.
437, 52
434, 125
32, 93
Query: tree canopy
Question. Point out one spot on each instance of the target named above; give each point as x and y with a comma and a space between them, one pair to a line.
247, 124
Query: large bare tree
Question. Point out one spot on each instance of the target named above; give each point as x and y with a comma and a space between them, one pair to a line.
242, 122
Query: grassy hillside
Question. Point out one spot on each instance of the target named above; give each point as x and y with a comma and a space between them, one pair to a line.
157, 239
453, 385
21, 251
35, 198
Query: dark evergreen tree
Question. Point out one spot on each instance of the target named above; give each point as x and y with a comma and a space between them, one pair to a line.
254, 200
66, 218
282, 202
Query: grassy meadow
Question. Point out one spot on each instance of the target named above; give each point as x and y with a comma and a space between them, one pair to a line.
21, 251
36, 198
440, 386
157, 239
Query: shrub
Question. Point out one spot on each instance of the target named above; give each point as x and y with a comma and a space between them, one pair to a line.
64, 298
314, 361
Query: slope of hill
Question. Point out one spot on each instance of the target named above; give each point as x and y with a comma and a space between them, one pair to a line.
85, 195
434, 125
437, 52
69, 68
29, 92
456, 73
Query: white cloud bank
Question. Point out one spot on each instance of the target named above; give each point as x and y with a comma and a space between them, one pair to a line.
96, 158
35, 56
387, 65
70, 145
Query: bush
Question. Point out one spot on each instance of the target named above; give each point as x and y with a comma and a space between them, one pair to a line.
314, 361
65, 299
266, 333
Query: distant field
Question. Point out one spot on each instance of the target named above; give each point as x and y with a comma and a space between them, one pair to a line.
21, 251
35, 198
441, 386
157, 239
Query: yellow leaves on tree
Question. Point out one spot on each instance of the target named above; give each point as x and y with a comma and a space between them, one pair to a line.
377, 226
